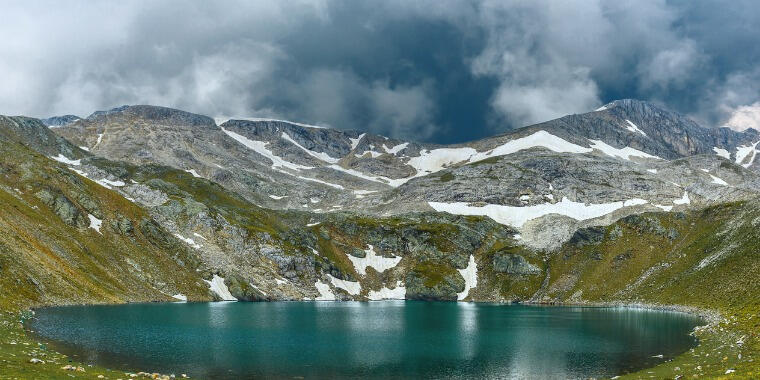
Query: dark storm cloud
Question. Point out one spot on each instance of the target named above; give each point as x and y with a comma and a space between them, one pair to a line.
441, 71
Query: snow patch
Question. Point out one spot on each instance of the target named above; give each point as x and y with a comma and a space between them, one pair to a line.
260, 148
722, 152
684, 200
718, 181
470, 275
352, 287
633, 128
322, 182
95, 223
318, 155
397, 293
325, 293
396, 148
194, 173
653, 171
517, 216
217, 286
745, 151
180, 297
355, 142
277, 197
108, 182
100, 138
664, 208
624, 153
372, 259
189, 241
65, 160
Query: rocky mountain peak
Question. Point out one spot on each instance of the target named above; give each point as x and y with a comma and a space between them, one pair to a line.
59, 121
154, 114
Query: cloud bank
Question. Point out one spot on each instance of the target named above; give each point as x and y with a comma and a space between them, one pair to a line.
440, 71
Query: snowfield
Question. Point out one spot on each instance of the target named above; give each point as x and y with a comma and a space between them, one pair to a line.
372, 259
318, 155
217, 286
352, 287
95, 223
260, 148
470, 275
624, 153
65, 160
397, 293
325, 293
517, 216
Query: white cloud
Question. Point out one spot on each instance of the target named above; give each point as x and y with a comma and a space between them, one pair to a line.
745, 117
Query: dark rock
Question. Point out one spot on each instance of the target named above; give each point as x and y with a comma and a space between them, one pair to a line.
513, 264
589, 235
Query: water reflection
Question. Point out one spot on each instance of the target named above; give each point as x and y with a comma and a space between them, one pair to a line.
375, 339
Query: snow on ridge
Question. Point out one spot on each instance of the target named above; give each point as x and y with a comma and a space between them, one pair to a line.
624, 153
633, 127
431, 161
355, 142
470, 275
194, 173
722, 152
742, 152
95, 223
65, 160
260, 148
395, 149
718, 181
361, 175
219, 120
372, 259
219, 288
538, 139
318, 155
333, 185
352, 287
518, 216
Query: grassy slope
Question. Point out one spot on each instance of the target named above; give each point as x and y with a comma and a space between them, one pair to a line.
644, 265
45, 261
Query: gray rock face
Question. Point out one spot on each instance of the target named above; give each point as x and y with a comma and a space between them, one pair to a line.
60, 121
513, 264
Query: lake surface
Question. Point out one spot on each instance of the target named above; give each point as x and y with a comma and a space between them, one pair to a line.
394, 339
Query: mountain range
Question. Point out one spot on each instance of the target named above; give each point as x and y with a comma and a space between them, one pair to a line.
630, 203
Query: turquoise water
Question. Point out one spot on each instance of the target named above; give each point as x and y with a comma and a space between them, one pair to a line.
366, 339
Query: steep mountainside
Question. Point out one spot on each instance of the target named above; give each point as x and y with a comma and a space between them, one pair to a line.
565, 173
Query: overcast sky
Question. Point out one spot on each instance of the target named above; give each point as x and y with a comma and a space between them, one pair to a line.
429, 70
